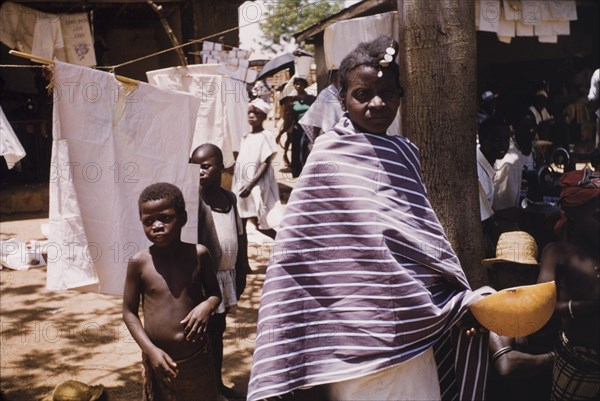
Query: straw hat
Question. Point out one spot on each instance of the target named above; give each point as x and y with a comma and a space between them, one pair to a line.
515, 247
72, 390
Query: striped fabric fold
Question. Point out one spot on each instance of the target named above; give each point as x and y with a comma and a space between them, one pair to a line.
362, 276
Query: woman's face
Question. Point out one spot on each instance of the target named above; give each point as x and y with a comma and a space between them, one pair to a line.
300, 85
371, 101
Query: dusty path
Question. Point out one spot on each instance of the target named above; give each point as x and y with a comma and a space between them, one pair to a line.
48, 337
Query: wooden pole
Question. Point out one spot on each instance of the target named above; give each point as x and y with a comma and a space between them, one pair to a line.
438, 71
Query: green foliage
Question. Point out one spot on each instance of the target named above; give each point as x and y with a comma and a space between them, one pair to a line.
287, 17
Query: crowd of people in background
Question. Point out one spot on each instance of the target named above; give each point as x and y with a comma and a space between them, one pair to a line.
527, 166
523, 184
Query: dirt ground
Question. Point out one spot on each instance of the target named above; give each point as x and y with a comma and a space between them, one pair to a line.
48, 337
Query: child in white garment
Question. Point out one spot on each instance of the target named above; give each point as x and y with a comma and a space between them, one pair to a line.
254, 180
220, 230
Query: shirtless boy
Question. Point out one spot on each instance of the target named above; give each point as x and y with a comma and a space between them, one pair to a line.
178, 288
574, 264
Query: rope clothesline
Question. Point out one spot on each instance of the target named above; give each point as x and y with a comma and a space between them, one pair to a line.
46, 61
129, 80
113, 67
21, 66
191, 42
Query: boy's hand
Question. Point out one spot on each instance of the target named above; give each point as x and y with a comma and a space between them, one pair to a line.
195, 322
162, 363
245, 190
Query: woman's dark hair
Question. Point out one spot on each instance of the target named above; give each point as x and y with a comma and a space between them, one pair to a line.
301, 80
368, 54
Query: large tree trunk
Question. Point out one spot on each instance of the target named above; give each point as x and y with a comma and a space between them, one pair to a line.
438, 72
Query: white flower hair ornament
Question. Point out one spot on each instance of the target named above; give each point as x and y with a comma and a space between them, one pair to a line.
388, 57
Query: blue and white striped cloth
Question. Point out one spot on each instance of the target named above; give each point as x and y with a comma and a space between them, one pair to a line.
362, 276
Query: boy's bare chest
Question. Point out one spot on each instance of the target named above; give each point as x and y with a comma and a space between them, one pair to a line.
175, 283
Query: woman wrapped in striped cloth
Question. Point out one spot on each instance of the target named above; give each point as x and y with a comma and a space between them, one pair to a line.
364, 293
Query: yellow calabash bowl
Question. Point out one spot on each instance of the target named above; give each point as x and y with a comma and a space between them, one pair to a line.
518, 311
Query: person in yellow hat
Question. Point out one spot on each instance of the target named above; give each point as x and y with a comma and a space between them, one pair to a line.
522, 368
515, 263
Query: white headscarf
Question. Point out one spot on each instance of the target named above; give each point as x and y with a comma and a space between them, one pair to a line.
261, 105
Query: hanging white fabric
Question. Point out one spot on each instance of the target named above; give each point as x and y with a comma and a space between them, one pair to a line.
10, 146
546, 19
342, 37
66, 37
109, 144
222, 116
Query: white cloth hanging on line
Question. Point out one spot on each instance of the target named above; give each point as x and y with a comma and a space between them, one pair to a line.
31, 31
109, 144
342, 37
222, 116
10, 146
545, 19
78, 40
66, 37
488, 17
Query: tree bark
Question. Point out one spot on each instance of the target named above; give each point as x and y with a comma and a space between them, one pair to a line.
438, 72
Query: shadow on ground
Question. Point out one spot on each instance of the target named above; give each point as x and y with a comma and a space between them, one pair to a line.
48, 337
241, 327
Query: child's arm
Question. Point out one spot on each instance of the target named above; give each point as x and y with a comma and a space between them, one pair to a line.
195, 322
160, 360
262, 169
242, 267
